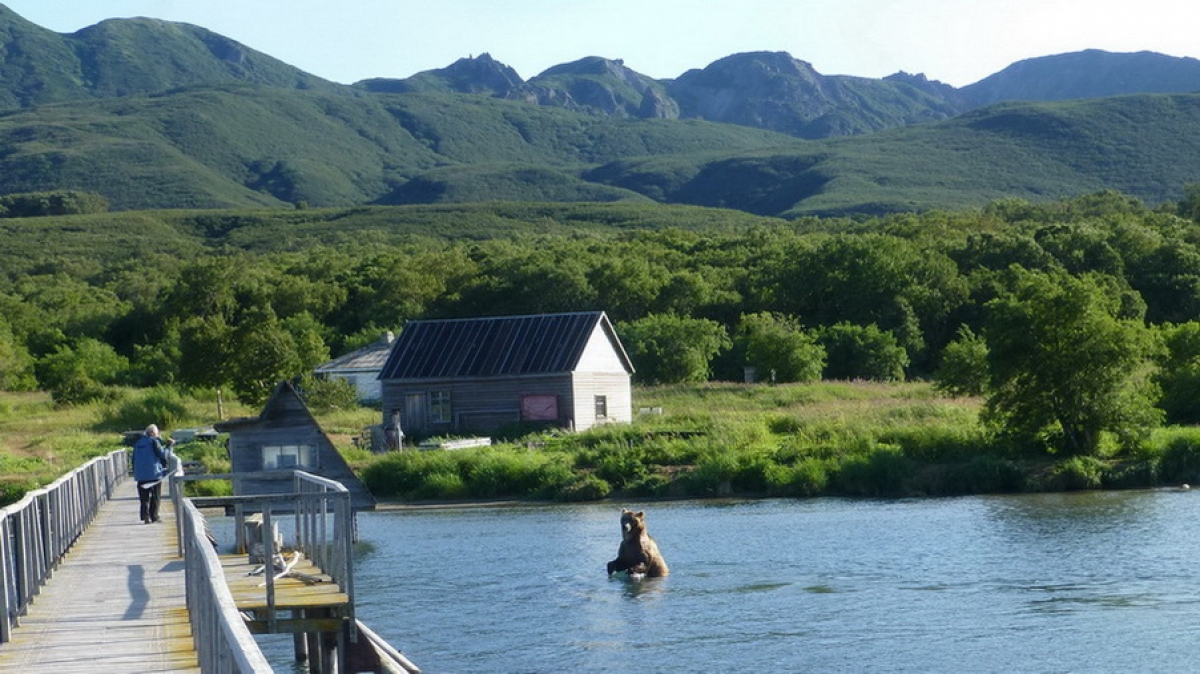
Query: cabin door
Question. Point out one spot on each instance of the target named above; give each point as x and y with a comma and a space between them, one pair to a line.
416, 412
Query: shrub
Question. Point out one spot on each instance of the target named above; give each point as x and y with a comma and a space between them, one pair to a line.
882, 472
492, 473
964, 368
1132, 475
325, 394
783, 424
807, 478
667, 349
779, 348
980, 475
586, 488
862, 352
1077, 473
1180, 461
162, 405
442, 484
81, 374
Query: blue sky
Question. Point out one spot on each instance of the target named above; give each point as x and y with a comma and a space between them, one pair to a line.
955, 41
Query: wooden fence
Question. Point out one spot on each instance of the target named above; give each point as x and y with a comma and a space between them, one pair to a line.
38, 530
223, 642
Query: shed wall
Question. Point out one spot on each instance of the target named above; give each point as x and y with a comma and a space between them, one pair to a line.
477, 405
616, 391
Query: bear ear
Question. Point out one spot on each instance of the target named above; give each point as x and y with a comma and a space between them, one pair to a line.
641, 514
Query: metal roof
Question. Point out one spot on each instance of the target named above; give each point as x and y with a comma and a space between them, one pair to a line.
497, 346
368, 358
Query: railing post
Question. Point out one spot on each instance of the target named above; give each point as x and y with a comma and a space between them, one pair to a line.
6, 581
269, 551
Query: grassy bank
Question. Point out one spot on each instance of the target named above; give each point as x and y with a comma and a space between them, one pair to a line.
850, 439
693, 441
39, 441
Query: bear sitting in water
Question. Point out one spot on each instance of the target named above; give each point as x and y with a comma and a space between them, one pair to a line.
638, 554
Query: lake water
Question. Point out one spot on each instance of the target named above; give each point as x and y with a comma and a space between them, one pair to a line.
1081, 582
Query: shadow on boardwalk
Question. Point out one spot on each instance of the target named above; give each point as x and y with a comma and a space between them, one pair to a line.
116, 604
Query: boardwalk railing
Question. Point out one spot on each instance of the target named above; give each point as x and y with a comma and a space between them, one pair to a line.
223, 642
38, 530
323, 522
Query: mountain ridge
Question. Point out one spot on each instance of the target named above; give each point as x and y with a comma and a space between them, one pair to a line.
156, 114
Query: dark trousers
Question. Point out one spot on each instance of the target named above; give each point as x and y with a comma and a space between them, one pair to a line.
148, 500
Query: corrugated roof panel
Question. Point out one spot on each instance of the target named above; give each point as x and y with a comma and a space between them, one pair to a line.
485, 347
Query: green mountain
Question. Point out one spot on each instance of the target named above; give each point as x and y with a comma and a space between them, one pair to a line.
1087, 74
1144, 146
250, 145
122, 57
153, 114
772, 90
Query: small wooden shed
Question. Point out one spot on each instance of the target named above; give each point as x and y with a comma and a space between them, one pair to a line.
477, 375
285, 436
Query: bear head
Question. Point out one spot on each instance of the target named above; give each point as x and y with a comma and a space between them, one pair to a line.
632, 524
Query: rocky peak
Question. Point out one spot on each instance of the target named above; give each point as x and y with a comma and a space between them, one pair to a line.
605, 86
469, 75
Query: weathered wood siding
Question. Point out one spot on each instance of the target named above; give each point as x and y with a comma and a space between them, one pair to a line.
492, 368
476, 405
285, 421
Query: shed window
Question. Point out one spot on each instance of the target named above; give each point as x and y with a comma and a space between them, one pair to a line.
286, 457
439, 407
601, 407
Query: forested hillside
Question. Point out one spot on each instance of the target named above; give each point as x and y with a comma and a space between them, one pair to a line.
195, 298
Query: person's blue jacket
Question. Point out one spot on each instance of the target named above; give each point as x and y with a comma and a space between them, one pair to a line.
149, 459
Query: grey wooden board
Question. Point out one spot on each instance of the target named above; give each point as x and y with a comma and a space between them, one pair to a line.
115, 604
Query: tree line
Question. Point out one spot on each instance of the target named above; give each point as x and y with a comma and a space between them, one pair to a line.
1078, 320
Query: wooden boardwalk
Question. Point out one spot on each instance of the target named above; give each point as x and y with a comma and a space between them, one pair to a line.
116, 604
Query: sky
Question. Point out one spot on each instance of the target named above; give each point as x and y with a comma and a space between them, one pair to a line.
955, 41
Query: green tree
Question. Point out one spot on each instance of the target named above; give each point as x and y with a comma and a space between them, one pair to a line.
862, 352
904, 288
265, 351
670, 349
779, 344
81, 373
1179, 373
325, 394
1060, 357
16, 365
964, 367
61, 202
1190, 206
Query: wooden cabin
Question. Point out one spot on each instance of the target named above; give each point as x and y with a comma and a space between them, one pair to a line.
361, 368
475, 376
285, 436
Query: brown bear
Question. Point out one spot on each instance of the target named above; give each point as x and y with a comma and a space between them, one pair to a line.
638, 554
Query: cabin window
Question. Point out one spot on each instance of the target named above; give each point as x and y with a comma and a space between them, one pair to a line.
287, 457
439, 407
601, 407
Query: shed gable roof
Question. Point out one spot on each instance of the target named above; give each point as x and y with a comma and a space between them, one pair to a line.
370, 357
497, 346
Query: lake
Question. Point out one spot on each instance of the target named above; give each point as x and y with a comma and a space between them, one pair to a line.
1084, 582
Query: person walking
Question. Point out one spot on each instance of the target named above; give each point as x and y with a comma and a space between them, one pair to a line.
149, 469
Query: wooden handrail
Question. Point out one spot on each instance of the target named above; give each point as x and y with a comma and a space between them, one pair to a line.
37, 531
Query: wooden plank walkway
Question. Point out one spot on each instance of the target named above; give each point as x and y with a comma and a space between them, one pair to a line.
116, 604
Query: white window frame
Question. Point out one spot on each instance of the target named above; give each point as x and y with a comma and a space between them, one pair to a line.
441, 409
294, 456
